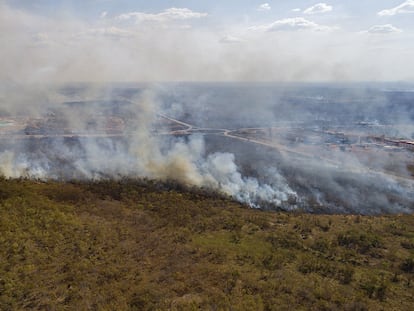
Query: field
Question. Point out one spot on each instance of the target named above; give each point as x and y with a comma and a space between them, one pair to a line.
146, 245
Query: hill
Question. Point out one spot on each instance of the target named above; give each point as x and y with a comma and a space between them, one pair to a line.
146, 245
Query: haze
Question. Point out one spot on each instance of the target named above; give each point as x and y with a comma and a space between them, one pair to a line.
293, 105
105, 41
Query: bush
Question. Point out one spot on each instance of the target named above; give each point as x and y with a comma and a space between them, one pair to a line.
361, 242
407, 244
407, 265
284, 240
374, 288
320, 246
333, 270
356, 306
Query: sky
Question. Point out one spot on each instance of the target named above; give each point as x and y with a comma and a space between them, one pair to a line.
234, 40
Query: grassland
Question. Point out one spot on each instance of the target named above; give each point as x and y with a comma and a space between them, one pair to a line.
144, 245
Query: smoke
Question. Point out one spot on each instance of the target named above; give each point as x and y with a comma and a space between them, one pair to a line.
182, 45
293, 174
142, 154
352, 187
345, 172
44, 59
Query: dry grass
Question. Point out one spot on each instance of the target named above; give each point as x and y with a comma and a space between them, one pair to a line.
143, 245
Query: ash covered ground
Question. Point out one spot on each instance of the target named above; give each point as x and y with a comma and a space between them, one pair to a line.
323, 148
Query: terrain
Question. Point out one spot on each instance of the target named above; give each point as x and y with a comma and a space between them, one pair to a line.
137, 244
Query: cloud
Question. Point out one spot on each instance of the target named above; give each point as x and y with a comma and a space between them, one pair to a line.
165, 16
318, 8
384, 29
264, 7
41, 37
112, 32
296, 10
230, 39
405, 7
292, 24
104, 14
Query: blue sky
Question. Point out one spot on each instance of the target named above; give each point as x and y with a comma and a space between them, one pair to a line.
183, 40
352, 13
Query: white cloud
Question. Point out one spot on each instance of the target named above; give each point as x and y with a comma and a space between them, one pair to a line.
292, 24
230, 39
165, 16
405, 7
318, 8
384, 29
264, 7
113, 32
296, 10
104, 14
108, 32
41, 37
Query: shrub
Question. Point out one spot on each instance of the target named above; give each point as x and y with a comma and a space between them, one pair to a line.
407, 265
273, 261
356, 306
320, 246
374, 288
333, 270
284, 240
361, 242
407, 244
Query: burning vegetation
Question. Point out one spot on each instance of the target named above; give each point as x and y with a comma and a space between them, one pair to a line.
316, 156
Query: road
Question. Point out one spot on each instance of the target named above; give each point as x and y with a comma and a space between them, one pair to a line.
189, 129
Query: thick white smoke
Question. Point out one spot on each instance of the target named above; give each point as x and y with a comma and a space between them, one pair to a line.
143, 154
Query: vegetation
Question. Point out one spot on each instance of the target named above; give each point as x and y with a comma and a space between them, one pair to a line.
144, 245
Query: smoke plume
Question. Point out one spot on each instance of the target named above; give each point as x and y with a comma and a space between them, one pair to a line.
141, 154
69, 88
